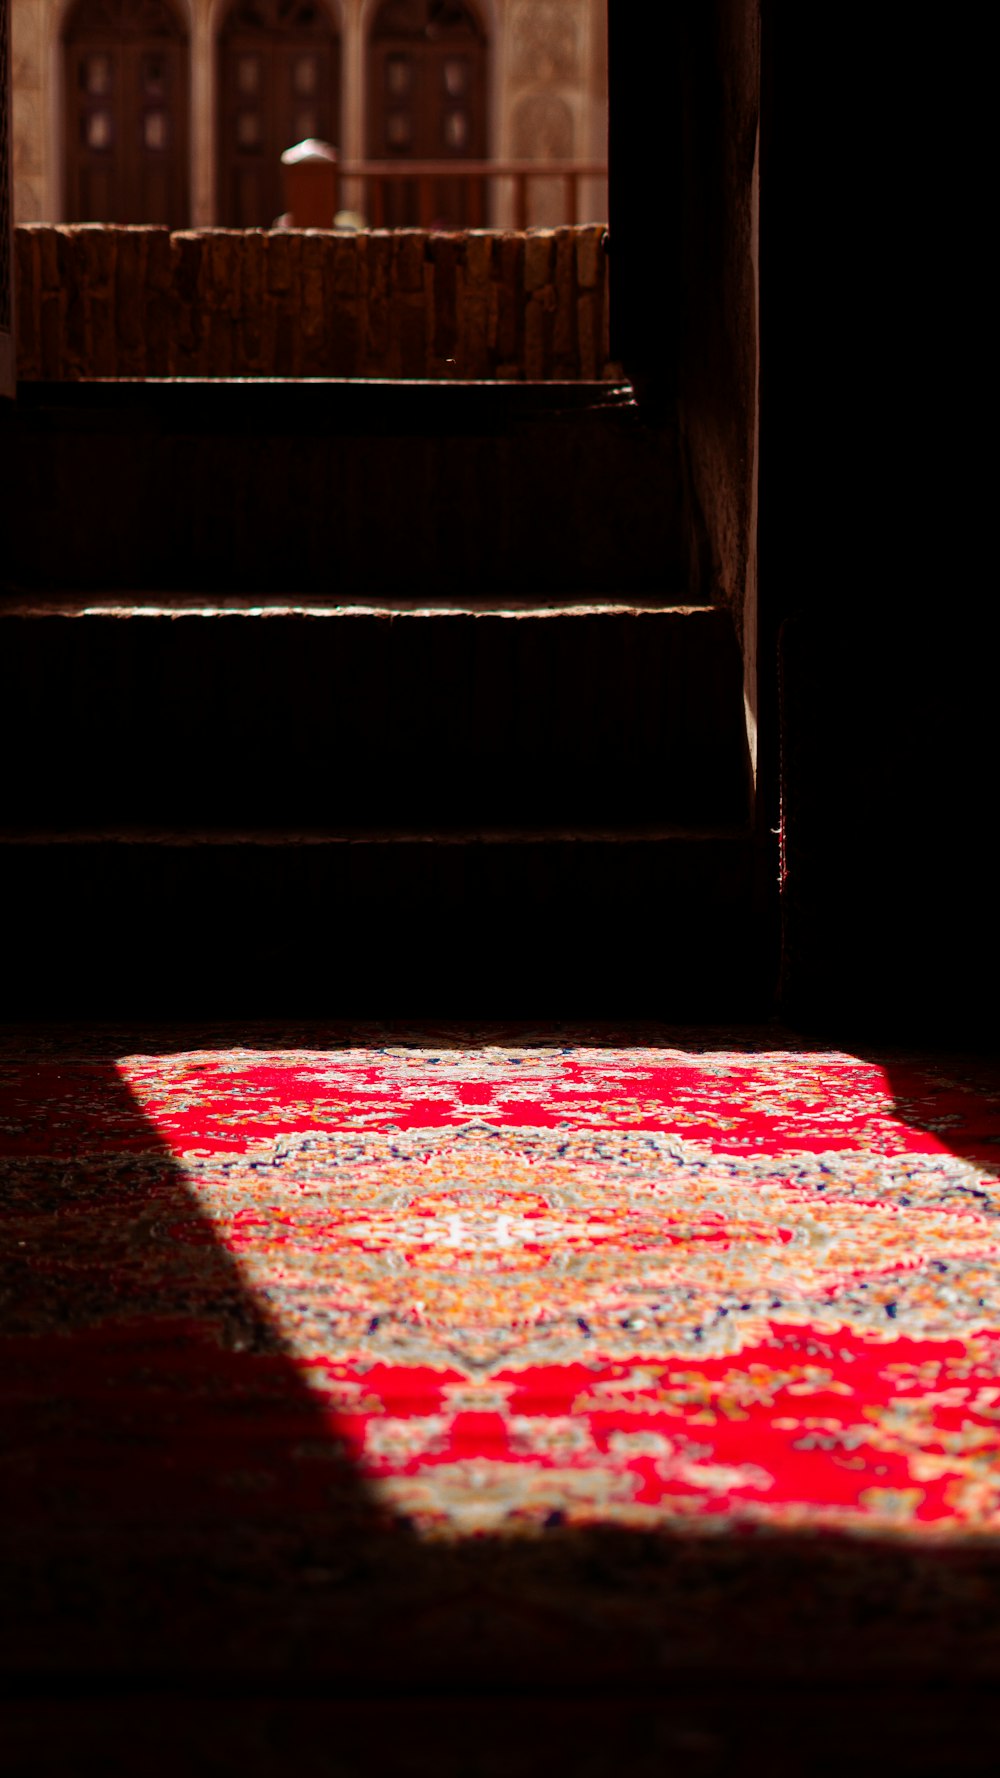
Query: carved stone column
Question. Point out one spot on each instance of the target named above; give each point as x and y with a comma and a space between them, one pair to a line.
30, 143
545, 67
206, 19
356, 24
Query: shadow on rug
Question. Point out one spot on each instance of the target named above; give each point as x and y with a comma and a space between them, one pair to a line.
486, 1401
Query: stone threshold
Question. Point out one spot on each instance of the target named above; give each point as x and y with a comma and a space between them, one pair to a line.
20, 604
381, 836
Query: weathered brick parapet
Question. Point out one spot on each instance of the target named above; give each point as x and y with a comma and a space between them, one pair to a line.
102, 301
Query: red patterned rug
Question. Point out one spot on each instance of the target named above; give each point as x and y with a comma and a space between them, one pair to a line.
487, 1353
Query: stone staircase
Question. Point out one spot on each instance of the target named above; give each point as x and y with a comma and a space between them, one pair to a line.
320, 700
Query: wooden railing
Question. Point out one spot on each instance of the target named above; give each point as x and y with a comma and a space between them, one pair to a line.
428, 193
477, 177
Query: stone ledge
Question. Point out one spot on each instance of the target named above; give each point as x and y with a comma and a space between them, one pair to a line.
95, 300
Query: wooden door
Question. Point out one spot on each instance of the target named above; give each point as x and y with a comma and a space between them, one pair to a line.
7, 369
427, 102
126, 72
279, 83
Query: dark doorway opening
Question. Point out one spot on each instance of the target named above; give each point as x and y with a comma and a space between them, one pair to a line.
126, 74
279, 84
427, 102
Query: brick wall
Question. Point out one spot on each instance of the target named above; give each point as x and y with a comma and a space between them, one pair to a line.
101, 301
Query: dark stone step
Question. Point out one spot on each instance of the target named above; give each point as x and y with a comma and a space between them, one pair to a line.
180, 714
410, 490
658, 923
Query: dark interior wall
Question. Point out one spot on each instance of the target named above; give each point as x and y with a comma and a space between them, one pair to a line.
879, 759
685, 88
876, 555
719, 60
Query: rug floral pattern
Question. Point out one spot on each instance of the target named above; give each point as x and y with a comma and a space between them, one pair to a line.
626, 1283
527, 1286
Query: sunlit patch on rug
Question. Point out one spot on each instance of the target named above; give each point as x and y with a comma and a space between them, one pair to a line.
571, 1285
496, 1354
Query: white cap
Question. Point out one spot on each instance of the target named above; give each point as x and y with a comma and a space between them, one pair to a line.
309, 150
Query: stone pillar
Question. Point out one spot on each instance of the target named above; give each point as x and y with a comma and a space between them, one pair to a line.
204, 25
501, 204
30, 146
352, 146
594, 207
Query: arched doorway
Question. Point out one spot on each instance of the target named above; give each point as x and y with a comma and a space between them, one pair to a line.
427, 102
279, 82
126, 73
